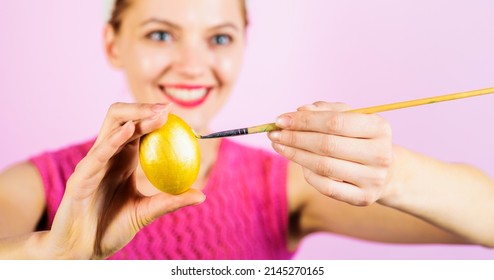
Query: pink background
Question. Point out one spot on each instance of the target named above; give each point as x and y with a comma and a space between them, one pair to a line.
56, 85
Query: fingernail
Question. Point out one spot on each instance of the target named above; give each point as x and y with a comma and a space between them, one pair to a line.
156, 116
274, 135
307, 107
203, 198
159, 107
279, 147
284, 122
127, 124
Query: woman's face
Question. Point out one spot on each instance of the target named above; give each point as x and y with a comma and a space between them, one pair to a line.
188, 52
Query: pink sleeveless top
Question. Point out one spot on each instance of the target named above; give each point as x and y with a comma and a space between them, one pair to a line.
245, 214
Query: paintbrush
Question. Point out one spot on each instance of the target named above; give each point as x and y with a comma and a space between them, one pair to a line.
368, 110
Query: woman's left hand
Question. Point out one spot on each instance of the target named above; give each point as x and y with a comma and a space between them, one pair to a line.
344, 155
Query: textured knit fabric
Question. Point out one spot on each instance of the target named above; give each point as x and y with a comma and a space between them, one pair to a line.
244, 216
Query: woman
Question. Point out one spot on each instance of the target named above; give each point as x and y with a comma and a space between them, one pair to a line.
98, 203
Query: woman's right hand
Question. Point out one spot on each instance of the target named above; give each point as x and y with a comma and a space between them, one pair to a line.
102, 210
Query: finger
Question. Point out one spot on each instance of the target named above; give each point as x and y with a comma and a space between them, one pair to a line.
337, 123
325, 106
91, 169
338, 190
364, 151
98, 156
347, 171
139, 129
162, 203
120, 113
149, 125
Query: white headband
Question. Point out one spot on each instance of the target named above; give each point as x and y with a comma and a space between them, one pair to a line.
109, 4
108, 9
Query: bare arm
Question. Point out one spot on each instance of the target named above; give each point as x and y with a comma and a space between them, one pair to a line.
381, 223
22, 203
101, 210
26, 246
22, 200
348, 164
456, 197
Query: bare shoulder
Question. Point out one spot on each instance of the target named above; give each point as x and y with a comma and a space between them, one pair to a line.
22, 199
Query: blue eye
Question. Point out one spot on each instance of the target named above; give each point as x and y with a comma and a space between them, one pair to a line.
221, 39
160, 36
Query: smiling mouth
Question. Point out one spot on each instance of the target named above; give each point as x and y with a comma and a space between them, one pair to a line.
186, 96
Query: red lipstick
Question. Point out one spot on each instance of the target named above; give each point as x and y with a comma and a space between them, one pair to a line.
186, 95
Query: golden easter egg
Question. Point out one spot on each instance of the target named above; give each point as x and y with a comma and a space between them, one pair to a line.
170, 156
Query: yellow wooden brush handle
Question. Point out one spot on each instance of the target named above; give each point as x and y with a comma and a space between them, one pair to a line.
262, 128
423, 101
392, 106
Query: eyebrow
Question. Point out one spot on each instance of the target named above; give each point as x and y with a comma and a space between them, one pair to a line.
225, 25
160, 21
176, 26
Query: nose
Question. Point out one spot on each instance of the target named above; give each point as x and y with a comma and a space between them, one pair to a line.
191, 61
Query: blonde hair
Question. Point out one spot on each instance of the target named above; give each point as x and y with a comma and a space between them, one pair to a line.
114, 10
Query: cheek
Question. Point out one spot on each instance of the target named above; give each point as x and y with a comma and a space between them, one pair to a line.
146, 65
228, 66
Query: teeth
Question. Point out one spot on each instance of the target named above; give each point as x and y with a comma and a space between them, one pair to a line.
186, 94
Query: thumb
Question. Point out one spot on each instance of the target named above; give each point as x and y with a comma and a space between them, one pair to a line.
163, 203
